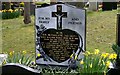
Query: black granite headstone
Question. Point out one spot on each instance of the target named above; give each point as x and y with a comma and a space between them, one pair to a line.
107, 6
114, 5
18, 69
118, 30
60, 31
116, 69
113, 71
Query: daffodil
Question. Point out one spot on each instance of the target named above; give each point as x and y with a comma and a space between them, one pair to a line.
105, 55
4, 62
10, 10
81, 62
24, 52
108, 63
11, 3
87, 53
113, 56
38, 55
3, 11
22, 3
21, 10
96, 51
11, 53
16, 9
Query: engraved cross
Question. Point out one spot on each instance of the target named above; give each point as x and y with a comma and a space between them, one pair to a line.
59, 14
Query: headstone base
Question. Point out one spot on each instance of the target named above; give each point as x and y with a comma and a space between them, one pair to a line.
18, 69
113, 71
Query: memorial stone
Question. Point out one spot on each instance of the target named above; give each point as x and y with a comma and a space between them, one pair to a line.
60, 31
106, 6
93, 5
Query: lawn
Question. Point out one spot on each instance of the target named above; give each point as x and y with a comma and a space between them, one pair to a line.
101, 33
101, 30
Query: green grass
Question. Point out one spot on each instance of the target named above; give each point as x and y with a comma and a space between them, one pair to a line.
101, 33
17, 36
101, 30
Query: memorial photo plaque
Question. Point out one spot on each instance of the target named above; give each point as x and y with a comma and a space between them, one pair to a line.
60, 31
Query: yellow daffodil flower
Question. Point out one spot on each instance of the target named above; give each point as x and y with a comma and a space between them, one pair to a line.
11, 3
16, 9
113, 56
87, 52
10, 10
4, 62
104, 55
38, 55
3, 10
24, 52
22, 3
108, 63
81, 62
11, 53
96, 51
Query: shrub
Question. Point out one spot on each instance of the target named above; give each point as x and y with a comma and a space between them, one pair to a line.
9, 14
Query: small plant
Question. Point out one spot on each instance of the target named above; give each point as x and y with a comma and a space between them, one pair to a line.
96, 63
9, 14
20, 57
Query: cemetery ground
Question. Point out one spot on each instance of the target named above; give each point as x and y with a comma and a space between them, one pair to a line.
100, 33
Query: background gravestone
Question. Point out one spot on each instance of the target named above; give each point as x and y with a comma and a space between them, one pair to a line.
93, 5
116, 69
114, 5
77, 4
60, 32
118, 30
107, 6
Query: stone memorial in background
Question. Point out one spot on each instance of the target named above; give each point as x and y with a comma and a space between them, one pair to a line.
93, 5
60, 32
118, 30
106, 6
116, 66
109, 5
114, 5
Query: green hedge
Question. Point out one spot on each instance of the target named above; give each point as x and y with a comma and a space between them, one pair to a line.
9, 14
